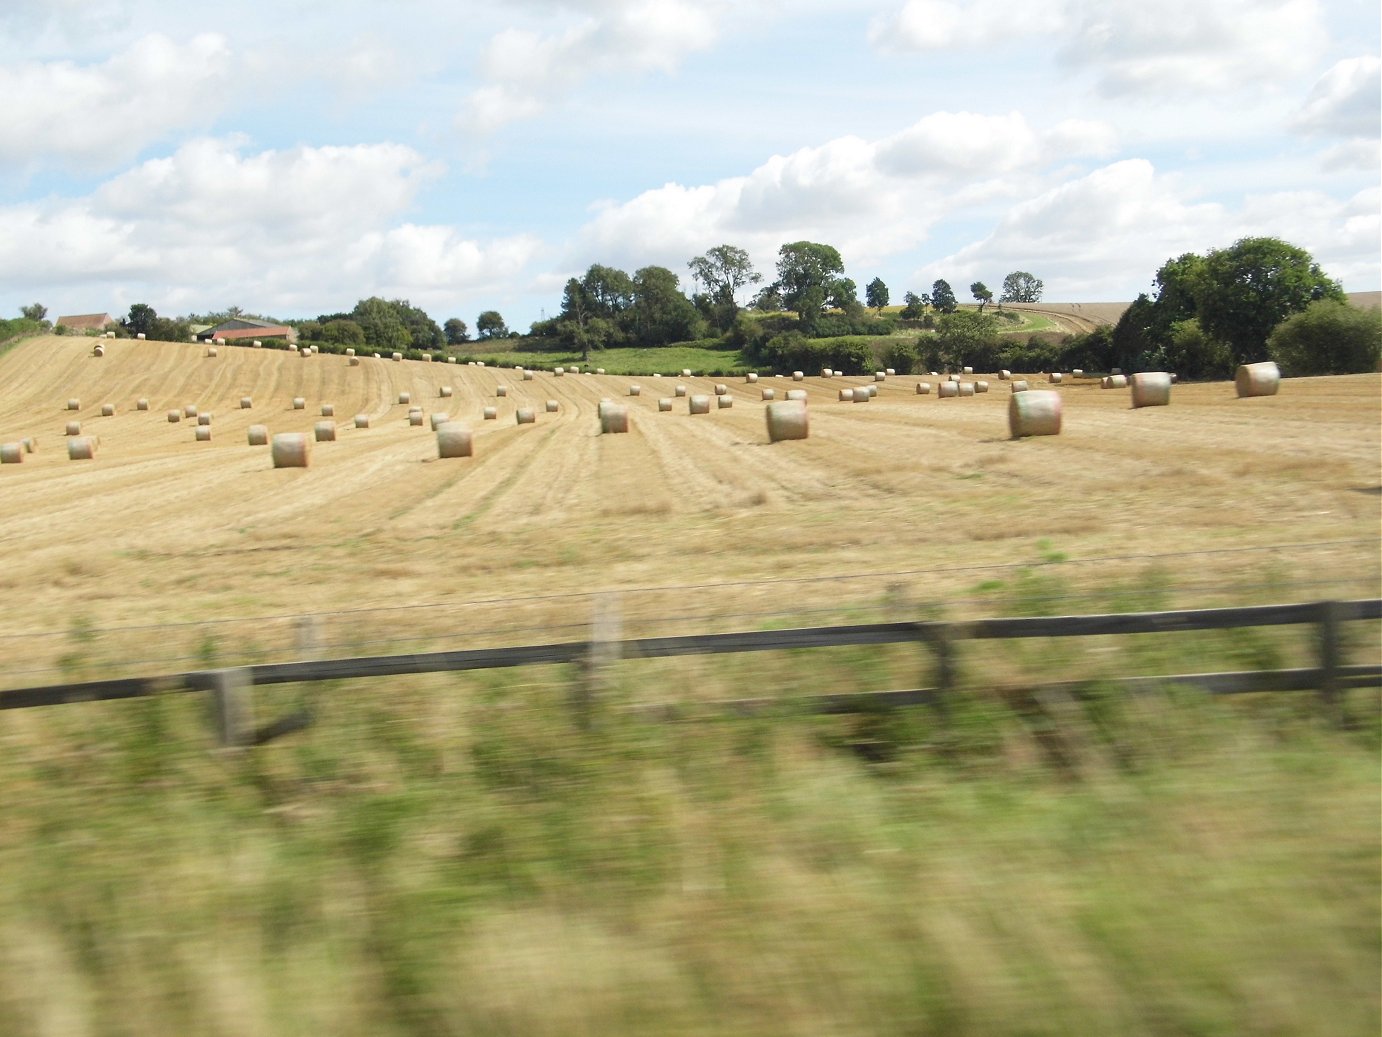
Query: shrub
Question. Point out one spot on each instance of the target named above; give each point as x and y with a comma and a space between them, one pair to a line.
1327, 337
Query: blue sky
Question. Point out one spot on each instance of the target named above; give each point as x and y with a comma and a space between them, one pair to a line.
293, 156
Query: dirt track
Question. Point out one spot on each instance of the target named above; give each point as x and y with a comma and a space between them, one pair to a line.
160, 529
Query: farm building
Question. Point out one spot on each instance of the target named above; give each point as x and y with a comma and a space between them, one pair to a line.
246, 328
82, 323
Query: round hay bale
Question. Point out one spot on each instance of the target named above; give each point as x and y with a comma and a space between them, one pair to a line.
680, 390
525, 416
257, 435
405, 398
328, 410
140, 336
1151, 389
634, 390
552, 406
324, 432
1056, 377
788, 419
981, 386
415, 418
1115, 381
444, 391
304, 352
107, 410
751, 377
966, 370
501, 391
142, 403
721, 388
174, 416
799, 395
489, 413
99, 351
1262, 379
30, 444
375, 356
923, 388
1003, 376
211, 352
81, 448
290, 450
827, 372
1020, 385
966, 388
396, 356
439, 418
1036, 412
354, 361
722, 402
350, 351
190, 411
598, 370
872, 390
889, 371
203, 433
11, 453
860, 394
246, 403
797, 376
559, 372
256, 344
110, 334
948, 390
313, 349
686, 372
203, 419
451, 360
74, 404
527, 376
1077, 373
614, 417
455, 440
698, 403
362, 421
664, 404
299, 403
74, 428
769, 394
880, 376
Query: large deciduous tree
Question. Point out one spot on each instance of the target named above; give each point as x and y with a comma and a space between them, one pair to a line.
943, 297
36, 312
383, 327
1020, 286
1244, 291
982, 294
490, 324
876, 294
456, 331
914, 306
807, 275
1328, 337
724, 271
660, 312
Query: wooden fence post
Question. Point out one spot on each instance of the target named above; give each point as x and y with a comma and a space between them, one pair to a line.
945, 675
232, 697
1331, 659
606, 630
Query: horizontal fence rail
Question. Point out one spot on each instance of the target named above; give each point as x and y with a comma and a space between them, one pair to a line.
1330, 677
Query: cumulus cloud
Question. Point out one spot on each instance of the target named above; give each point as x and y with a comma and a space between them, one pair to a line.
524, 70
107, 113
1345, 102
870, 198
1173, 47
1106, 233
277, 229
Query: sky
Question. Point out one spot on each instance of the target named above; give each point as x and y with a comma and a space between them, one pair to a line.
291, 157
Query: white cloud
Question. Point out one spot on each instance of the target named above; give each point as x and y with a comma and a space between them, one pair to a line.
525, 71
276, 229
1173, 47
1345, 102
107, 113
1103, 236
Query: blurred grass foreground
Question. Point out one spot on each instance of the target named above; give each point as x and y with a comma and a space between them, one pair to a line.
450, 854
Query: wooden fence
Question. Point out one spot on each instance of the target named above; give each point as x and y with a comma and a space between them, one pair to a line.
231, 688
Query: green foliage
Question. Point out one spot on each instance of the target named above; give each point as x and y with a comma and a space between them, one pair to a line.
1244, 291
1328, 337
456, 331
943, 297
968, 337
914, 306
876, 293
793, 351
900, 355
1020, 286
490, 325
1190, 353
809, 274
982, 295
35, 312
724, 270
382, 324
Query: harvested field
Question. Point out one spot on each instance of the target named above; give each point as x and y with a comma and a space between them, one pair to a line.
159, 530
